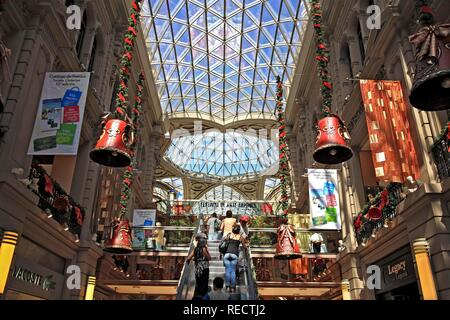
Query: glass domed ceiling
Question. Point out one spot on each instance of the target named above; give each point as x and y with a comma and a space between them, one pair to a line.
218, 154
218, 59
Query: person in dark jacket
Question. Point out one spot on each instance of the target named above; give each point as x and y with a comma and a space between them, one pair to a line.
201, 258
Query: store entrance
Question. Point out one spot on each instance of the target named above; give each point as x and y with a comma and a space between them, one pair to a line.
409, 292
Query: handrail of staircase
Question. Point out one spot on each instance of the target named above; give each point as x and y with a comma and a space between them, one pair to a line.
251, 276
185, 273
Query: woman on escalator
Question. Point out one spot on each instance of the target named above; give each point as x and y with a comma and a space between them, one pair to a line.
230, 259
201, 258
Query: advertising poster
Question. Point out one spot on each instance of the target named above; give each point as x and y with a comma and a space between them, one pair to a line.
324, 199
59, 118
143, 218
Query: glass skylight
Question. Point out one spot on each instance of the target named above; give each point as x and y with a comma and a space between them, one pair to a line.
218, 59
270, 186
218, 154
175, 185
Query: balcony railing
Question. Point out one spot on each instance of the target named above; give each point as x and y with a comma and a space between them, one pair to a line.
441, 155
367, 222
265, 239
162, 238
55, 201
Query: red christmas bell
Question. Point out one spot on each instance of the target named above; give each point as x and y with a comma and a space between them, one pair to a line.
287, 246
331, 144
113, 147
431, 89
120, 238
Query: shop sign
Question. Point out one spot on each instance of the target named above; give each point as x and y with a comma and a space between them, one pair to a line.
26, 276
44, 282
398, 270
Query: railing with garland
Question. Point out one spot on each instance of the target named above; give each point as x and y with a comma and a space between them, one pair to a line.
55, 201
440, 150
364, 226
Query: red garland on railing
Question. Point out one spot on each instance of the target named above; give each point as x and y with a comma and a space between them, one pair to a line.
113, 149
331, 144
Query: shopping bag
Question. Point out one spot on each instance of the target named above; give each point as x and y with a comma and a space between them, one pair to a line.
72, 97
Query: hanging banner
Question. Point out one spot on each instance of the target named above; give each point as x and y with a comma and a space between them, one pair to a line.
142, 238
144, 218
393, 153
324, 199
57, 128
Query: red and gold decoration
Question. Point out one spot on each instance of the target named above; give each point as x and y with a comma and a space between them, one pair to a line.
431, 89
120, 240
284, 157
332, 136
55, 201
287, 246
393, 153
113, 149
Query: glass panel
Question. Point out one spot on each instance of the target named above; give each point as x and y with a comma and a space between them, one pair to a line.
179, 31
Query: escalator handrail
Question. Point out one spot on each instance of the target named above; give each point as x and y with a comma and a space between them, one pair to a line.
253, 288
186, 271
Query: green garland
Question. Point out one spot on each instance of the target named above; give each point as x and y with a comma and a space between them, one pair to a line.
388, 211
284, 159
322, 57
121, 111
128, 175
425, 12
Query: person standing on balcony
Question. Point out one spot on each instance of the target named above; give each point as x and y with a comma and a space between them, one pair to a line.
227, 224
230, 259
201, 258
213, 227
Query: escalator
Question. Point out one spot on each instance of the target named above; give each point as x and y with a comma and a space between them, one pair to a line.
246, 288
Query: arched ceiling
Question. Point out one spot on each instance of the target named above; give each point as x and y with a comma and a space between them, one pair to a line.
219, 58
216, 61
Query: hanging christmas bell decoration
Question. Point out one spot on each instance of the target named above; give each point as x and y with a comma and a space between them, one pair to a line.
431, 88
331, 144
113, 149
119, 241
332, 139
287, 246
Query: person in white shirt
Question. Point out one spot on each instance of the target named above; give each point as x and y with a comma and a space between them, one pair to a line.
213, 227
316, 242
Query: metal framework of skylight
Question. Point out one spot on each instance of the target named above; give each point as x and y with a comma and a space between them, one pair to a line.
219, 58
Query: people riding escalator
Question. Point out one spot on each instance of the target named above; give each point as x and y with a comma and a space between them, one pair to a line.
227, 224
201, 258
230, 258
